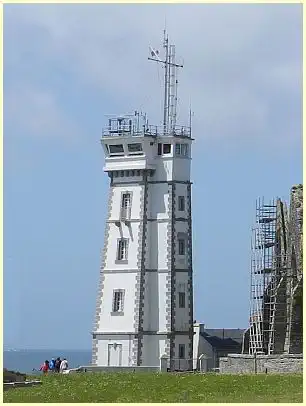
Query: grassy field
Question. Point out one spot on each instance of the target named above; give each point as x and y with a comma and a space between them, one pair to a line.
148, 387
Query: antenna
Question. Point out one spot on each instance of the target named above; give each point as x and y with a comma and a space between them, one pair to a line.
166, 110
191, 114
170, 84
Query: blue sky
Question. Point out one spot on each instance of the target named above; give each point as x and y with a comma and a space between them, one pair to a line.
65, 67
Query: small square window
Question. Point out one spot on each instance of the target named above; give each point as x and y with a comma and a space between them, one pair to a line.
181, 203
135, 149
166, 148
159, 148
126, 203
184, 149
118, 298
122, 249
116, 149
182, 297
181, 351
181, 246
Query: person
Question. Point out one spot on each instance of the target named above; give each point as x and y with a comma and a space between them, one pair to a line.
52, 365
58, 364
45, 367
64, 365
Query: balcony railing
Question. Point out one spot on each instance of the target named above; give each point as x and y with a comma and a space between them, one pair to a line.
150, 130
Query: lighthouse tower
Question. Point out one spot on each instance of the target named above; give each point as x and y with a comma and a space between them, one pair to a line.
144, 306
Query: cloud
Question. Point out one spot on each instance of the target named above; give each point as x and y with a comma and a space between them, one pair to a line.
243, 63
36, 111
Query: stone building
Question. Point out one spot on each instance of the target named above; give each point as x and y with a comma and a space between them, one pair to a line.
274, 341
215, 343
277, 294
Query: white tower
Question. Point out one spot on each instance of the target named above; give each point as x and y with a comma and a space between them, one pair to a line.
145, 300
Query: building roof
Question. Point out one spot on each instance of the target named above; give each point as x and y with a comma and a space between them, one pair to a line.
229, 339
233, 333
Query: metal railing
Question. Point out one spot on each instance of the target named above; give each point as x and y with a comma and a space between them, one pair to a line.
150, 130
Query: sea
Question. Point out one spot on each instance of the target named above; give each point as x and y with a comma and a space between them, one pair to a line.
27, 360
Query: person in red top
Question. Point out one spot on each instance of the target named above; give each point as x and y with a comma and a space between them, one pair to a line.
45, 367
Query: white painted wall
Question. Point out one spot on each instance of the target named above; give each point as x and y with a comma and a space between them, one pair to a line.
182, 314
181, 261
157, 245
158, 201
126, 161
201, 346
124, 340
181, 363
116, 200
162, 289
167, 168
116, 323
181, 168
151, 302
154, 346
131, 233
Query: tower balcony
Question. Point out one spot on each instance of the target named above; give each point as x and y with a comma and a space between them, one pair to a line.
148, 131
130, 126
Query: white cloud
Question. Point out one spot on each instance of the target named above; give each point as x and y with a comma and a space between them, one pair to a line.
243, 63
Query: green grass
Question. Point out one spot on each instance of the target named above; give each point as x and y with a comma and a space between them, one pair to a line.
161, 387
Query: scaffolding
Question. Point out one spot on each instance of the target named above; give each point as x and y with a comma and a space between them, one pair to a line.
276, 277
263, 279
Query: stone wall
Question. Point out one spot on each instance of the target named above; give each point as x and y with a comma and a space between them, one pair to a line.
294, 333
248, 364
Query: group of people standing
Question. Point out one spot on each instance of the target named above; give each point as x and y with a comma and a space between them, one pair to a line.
55, 365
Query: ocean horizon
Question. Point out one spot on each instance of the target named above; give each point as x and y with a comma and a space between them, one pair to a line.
25, 360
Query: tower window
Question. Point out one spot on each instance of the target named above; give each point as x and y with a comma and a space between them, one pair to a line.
126, 202
118, 300
122, 249
181, 149
181, 203
181, 246
116, 149
182, 298
181, 351
135, 149
184, 149
159, 148
166, 148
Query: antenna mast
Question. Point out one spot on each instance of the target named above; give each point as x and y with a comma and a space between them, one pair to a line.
170, 83
166, 84
190, 118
